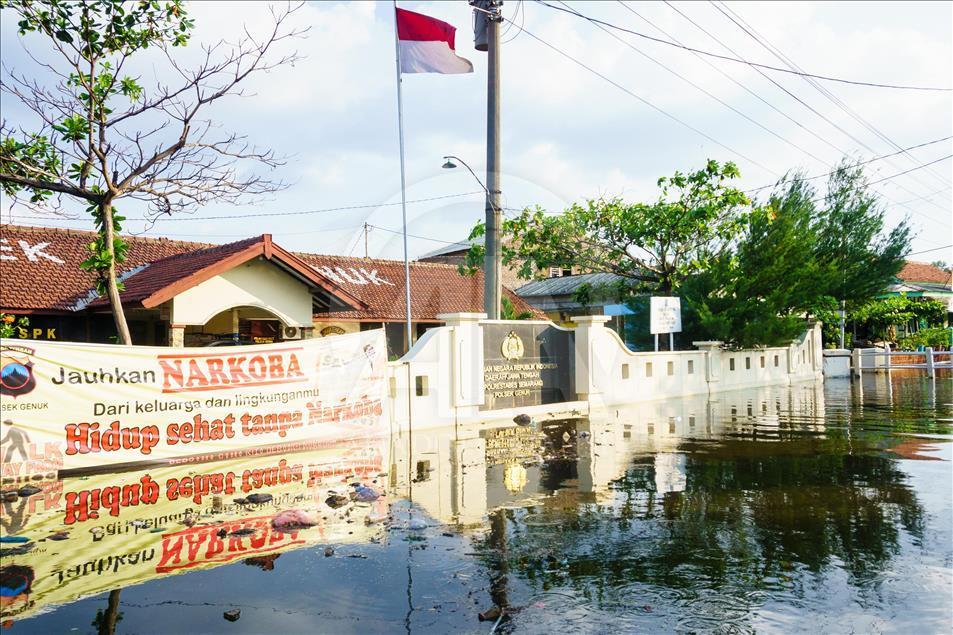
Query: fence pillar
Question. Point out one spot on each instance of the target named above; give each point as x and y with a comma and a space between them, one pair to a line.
590, 379
931, 371
856, 360
177, 336
466, 359
712, 350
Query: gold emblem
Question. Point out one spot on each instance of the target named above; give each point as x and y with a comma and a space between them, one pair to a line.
512, 347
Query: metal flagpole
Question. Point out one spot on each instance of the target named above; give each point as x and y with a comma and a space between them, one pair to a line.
403, 179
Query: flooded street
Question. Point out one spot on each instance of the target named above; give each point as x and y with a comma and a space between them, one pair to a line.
817, 508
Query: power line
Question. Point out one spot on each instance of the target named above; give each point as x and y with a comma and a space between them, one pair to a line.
799, 100
685, 79
436, 240
319, 211
884, 156
743, 61
926, 251
645, 101
774, 50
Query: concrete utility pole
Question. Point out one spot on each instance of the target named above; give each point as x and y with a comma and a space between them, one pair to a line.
488, 16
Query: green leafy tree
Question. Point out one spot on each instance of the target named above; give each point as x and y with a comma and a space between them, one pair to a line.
654, 246
760, 292
96, 134
860, 257
880, 317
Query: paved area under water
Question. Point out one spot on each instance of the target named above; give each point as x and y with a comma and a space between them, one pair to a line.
813, 508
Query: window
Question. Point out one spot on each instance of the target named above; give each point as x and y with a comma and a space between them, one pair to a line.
671, 425
670, 368
567, 272
691, 367
775, 361
731, 363
651, 428
421, 385
555, 272
747, 363
423, 471
762, 361
648, 369
625, 371
691, 422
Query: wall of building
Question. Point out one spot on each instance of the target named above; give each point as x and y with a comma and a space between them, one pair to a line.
254, 284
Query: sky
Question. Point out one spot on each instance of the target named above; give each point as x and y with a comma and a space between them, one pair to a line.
568, 134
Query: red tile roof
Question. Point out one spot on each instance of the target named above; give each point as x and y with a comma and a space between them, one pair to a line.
39, 266
435, 288
43, 274
924, 272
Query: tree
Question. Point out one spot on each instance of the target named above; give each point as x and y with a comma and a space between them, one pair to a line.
98, 134
760, 292
654, 246
861, 260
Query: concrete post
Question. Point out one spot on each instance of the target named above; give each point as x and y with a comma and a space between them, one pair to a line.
931, 370
713, 351
177, 336
590, 378
466, 359
856, 359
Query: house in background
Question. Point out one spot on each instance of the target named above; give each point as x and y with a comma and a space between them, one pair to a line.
182, 293
924, 280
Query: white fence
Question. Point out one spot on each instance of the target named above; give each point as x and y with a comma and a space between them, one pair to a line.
876, 359
439, 382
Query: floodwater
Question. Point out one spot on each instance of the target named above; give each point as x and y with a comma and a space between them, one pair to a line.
812, 508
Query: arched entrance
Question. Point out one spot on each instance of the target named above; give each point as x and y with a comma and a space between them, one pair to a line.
242, 325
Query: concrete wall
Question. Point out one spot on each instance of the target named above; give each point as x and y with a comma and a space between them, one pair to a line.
439, 382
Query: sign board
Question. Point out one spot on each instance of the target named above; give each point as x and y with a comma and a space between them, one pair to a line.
68, 408
526, 365
666, 315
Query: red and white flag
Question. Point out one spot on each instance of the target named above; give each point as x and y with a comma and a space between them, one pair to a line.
426, 45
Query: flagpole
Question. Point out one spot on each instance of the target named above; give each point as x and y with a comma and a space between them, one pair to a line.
403, 179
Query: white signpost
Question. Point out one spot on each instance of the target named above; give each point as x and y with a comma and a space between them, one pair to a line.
666, 317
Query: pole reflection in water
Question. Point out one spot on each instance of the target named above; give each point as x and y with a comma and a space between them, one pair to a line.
810, 507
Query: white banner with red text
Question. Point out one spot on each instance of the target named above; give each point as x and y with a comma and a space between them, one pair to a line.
68, 408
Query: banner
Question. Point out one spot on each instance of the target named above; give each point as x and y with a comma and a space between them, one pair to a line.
69, 408
92, 534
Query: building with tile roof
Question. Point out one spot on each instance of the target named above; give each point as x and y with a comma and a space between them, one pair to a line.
193, 294
922, 279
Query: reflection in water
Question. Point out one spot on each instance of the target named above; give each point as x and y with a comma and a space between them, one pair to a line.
807, 507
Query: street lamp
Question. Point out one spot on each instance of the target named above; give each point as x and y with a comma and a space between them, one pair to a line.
492, 262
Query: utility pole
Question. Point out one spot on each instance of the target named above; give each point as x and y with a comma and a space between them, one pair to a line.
366, 230
488, 16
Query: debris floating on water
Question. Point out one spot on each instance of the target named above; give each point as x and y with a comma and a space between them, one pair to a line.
232, 615
291, 519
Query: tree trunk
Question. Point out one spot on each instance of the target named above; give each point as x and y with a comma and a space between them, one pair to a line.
112, 283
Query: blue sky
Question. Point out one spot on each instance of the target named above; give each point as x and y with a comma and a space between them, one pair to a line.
567, 133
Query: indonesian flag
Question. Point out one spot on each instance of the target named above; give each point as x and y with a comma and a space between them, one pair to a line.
426, 45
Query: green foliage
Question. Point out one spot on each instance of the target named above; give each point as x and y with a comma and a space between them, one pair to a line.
881, 315
860, 260
509, 312
749, 274
937, 338
94, 39
655, 246
11, 325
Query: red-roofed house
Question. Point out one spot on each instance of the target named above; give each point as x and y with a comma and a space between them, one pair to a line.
922, 279
194, 294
